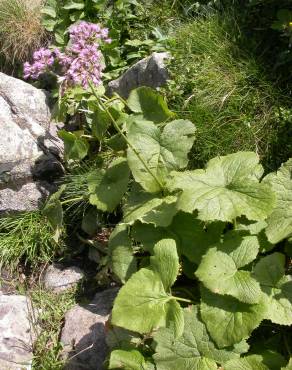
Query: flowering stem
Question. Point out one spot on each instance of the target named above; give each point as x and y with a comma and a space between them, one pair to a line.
125, 138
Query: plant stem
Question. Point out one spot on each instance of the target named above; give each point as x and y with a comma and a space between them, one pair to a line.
126, 139
92, 244
182, 299
72, 200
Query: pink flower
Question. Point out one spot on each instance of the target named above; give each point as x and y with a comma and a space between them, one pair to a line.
81, 61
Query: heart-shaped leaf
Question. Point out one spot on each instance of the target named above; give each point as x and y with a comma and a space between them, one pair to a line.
228, 320
220, 267
193, 350
107, 187
144, 303
228, 188
150, 103
162, 152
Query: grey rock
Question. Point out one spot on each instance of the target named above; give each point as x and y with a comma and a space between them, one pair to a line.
27, 197
83, 335
150, 71
58, 278
29, 146
16, 332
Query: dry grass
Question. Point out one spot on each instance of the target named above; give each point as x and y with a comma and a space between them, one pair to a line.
21, 30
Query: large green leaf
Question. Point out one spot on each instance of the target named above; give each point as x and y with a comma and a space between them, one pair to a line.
128, 360
228, 188
280, 221
277, 288
150, 103
145, 303
162, 152
192, 236
220, 267
228, 320
193, 350
246, 363
149, 208
122, 260
107, 187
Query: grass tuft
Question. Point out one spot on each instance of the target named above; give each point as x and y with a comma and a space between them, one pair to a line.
26, 238
51, 308
224, 91
21, 30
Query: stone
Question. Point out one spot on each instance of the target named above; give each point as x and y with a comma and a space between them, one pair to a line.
16, 332
27, 197
150, 71
59, 278
84, 334
29, 146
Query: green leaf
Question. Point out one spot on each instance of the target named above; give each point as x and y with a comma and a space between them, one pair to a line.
280, 221
246, 363
75, 147
161, 151
148, 208
227, 189
74, 5
150, 103
53, 211
49, 10
107, 187
228, 320
273, 360
143, 304
122, 261
220, 267
119, 338
192, 236
117, 143
128, 360
257, 228
90, 221
148, 235
193, 350
277, 288
165, 262
100, 122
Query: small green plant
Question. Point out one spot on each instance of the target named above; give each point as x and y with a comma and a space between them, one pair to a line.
208, 246
26, 238
21, 31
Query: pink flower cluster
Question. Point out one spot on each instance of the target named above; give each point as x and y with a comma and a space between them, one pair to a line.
82, 60
43, 58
